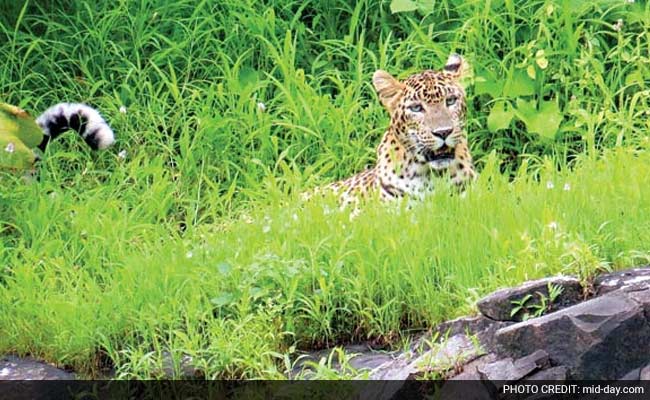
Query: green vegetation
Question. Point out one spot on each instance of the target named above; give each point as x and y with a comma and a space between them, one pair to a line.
140, 253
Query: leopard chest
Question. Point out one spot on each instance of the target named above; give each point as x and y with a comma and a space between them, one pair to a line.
411, 179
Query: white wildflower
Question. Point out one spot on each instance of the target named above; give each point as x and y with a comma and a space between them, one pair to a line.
10, 148
567, 187
295, 217
189, 254
630, 1
619, 25
552, 225
261, 106
122, 109
550, 185
266, 229
122, 154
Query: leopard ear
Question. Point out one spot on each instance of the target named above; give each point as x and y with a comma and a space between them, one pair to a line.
454, 66
388, 88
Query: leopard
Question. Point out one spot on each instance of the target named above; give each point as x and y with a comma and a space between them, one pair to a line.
426, 137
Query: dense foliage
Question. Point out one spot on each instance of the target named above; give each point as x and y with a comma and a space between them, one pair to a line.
231, 107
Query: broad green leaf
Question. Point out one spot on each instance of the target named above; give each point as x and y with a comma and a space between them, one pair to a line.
256, 292
14, 154
426, 6
634, 78
500, 116
17, 122
544, 121
486, 83
519, 84
248, 77
397, 6
224, 299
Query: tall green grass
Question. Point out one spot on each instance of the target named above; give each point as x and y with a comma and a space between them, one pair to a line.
87, 280
133, 255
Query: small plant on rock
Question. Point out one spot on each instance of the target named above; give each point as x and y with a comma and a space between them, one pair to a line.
543, 306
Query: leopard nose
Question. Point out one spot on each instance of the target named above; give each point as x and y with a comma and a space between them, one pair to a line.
443, 132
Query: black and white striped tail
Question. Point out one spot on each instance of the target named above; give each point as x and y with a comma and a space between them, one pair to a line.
81, 118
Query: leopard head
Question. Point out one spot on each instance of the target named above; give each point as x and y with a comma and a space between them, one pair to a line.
427, 111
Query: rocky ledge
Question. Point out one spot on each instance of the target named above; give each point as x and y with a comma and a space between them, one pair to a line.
548, 329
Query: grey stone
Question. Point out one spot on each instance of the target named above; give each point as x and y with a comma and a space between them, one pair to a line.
559, 373
479, 326
487, 337
470, 370
507, 370
610, 282
397, 369
28, 368
498, 306
442, 357
603, 338
370, 360
644, 374
448, 355
632, 375
185, 368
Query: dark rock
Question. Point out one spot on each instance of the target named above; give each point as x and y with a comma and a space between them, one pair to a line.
370, 360
607, 283
560, 373
28, 368
447, 355
487, 337
498, 306
184, 369
480, 326
644, 374
398, 369
603, 338
632, 375
538, 359
507, 370
454, 352
470, 370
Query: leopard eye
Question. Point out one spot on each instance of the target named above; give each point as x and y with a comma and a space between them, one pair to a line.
416, 108
451, 100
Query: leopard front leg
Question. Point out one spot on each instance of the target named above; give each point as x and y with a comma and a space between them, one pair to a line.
463, 173
462, 170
